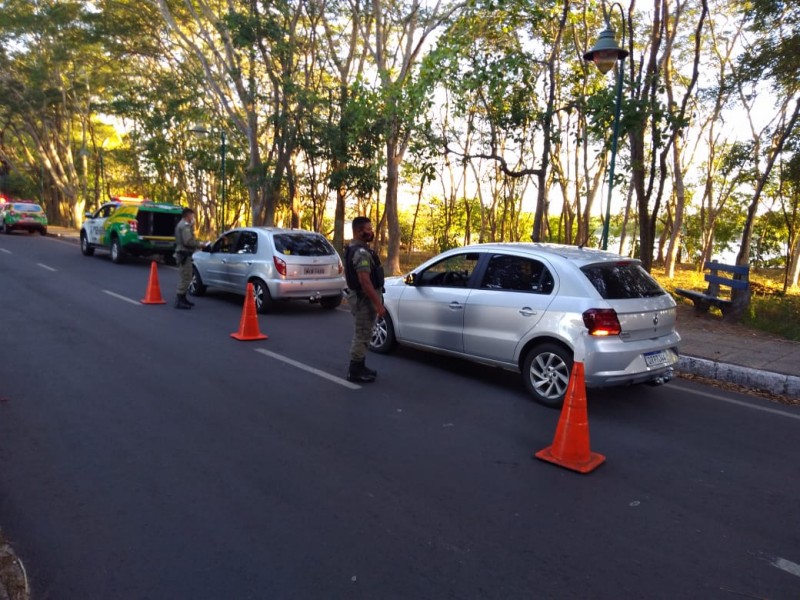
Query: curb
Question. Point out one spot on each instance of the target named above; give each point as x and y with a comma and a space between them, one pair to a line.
774, 383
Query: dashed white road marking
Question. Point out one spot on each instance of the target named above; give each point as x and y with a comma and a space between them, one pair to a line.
122, 298
46, 267
786, 565
310, 369
773, 411
4, 250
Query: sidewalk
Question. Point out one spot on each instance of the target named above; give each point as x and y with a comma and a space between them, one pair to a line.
711, 348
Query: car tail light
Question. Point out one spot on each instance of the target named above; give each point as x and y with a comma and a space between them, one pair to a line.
341, 267
280, 264
602, 321
133, 225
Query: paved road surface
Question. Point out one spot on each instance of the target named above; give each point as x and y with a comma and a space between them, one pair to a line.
146, 454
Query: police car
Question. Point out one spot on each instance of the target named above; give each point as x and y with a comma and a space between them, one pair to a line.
131, 226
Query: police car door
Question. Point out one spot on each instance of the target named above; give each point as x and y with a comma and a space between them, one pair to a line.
95, 225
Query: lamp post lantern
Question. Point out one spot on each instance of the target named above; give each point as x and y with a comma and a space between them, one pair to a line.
202, 130
605, 54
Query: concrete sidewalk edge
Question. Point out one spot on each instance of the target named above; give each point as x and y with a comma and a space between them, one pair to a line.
775, 383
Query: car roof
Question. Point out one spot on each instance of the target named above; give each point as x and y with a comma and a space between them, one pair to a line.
577, 254
276, 230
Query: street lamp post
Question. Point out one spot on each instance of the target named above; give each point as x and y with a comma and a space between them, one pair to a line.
202, 130
605, 54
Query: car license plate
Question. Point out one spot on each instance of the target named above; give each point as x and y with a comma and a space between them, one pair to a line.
653, 359
314, 271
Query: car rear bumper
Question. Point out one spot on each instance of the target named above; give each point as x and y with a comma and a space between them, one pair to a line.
19, 226
611, 362
307, 288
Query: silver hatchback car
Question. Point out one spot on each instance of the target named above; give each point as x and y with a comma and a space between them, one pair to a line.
524, 306
282, 264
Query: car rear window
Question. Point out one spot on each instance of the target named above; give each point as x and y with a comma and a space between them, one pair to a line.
618, 281
303, 244
24, 207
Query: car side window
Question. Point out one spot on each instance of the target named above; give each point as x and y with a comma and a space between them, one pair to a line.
453, 271
517, 274
226, 243
248, 243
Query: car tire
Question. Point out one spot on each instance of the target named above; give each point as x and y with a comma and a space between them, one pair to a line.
43, 231
546, 371
116, 251
196, 285
86, 247
330, 302
264, 301
383, 340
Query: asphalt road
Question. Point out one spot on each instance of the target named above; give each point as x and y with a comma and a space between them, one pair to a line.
144, 453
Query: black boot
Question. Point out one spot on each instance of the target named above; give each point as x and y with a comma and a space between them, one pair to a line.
367, 370
179, 303
186, 300
357, 372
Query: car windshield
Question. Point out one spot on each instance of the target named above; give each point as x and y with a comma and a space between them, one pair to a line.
26, 207
619, 281
303, 244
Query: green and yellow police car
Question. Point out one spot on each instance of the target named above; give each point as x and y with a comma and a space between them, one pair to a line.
22, 215
129, 226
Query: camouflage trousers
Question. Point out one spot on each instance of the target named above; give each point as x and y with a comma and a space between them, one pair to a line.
364, 316
184, 275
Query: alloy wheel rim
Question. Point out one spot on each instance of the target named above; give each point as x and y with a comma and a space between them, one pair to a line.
549, 375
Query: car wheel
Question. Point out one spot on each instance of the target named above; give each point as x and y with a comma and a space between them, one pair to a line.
86, 247
116, 251
262, 297
383, 340
545, 371
196, 286
43, 231
330, 302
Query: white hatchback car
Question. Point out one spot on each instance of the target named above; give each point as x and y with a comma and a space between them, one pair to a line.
282, 264
524, 306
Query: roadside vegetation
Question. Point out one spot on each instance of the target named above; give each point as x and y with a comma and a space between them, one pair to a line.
771, 309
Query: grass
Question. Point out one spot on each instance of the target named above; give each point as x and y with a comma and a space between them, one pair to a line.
770, 309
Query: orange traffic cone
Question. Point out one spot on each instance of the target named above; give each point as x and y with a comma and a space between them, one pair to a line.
248, 325
570, 447
153, 295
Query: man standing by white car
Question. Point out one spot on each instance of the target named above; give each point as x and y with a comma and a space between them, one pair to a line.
185, 245
364, 275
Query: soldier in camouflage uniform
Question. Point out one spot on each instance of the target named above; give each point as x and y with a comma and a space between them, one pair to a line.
185, 245
364, 275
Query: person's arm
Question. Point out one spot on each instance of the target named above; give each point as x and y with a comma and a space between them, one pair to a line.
371, 292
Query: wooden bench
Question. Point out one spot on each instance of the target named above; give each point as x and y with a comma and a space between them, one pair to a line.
738, 282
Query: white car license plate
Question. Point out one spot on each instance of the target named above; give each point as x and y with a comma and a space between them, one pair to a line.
653, 359
314, 271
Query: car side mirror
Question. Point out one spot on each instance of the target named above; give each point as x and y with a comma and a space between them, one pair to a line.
411, 279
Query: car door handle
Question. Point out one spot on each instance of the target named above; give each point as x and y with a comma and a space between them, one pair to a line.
526, 311
456, 305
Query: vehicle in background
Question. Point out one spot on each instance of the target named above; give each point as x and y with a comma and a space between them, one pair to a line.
526, 307
282, 264
22, 215
131, 227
